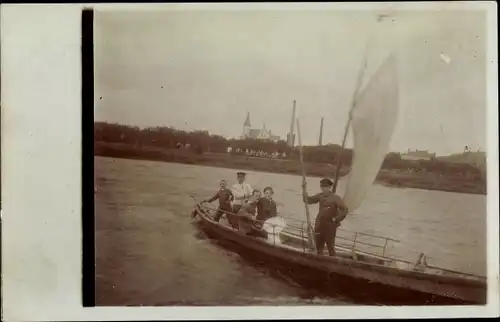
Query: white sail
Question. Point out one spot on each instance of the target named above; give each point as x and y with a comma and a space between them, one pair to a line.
373, 119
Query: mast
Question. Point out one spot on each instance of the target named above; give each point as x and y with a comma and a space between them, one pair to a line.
339, 163
310, 238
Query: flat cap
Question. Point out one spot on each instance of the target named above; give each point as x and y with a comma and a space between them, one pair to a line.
326, 182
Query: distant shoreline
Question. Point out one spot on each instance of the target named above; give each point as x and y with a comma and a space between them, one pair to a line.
389, 178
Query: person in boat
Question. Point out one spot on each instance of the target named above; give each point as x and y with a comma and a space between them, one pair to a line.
241, 192
225, 196
332, 211
246, 214
266, 208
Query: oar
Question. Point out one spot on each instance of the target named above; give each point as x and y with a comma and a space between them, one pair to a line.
192, 197
195, 212
199, 204
310, 238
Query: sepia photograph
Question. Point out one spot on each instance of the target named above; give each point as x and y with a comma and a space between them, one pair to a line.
290, 157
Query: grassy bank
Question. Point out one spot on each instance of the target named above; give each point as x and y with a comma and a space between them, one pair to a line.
118, 150
429, 181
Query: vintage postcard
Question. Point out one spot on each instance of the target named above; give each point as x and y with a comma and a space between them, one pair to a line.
278, 157
332, 158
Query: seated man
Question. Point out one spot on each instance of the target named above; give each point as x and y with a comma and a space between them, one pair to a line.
266, 208
247, 213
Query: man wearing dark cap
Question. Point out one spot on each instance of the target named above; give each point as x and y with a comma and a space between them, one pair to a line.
332, 211
241, 192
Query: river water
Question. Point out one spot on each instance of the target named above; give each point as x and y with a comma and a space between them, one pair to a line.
148, 252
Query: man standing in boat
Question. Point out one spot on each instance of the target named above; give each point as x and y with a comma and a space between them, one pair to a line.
332, 211
225, 196
241, 192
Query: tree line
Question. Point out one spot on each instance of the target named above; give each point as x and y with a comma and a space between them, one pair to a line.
202, 142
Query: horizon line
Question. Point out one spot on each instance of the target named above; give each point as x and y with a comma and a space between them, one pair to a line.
239, 138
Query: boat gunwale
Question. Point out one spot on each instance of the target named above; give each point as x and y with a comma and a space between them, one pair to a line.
381, 257
476, 281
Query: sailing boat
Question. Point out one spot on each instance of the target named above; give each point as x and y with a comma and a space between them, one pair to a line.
372, 120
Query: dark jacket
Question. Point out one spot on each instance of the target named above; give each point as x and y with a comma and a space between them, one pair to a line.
245, 214
249, 207
225, 197
331, 207
266, 209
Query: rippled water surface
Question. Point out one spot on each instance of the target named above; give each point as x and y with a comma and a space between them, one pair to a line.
148, 252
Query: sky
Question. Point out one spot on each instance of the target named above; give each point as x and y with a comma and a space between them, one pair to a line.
204, 70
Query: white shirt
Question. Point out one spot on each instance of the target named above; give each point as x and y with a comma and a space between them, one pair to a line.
241, 192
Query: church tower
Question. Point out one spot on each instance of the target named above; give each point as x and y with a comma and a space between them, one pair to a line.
247, 126
264, 133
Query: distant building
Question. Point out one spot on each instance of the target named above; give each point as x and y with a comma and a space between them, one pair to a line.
418, 155
259, 134
320, 141
290, 139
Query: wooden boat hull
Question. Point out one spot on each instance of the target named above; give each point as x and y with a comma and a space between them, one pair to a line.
451, 287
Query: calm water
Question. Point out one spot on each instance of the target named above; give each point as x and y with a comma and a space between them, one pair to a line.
149, 253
